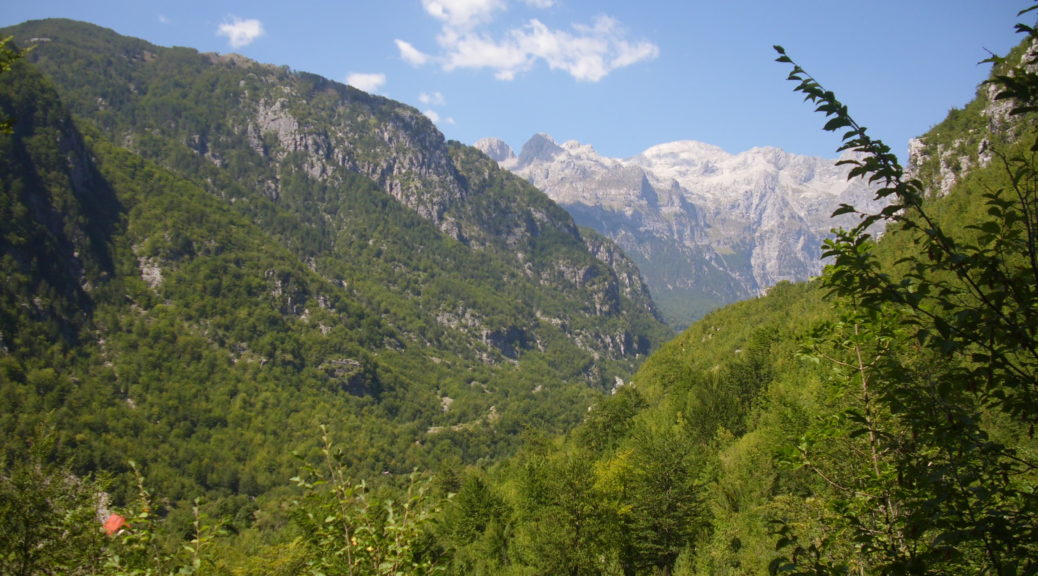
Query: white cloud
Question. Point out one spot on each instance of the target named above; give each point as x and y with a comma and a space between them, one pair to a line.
475, 51
434, 99
366, 82
463, 15
410, 54
436, 118
591, 53
628, 54
240, 32
163, 19
588, 53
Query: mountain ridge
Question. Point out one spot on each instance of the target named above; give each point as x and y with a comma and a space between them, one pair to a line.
200, 246
705, 226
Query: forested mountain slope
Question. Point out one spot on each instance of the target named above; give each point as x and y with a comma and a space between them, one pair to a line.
206, 258
877, 420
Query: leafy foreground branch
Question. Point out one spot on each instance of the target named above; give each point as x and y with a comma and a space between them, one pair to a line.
349, 530
58, 523
936, 356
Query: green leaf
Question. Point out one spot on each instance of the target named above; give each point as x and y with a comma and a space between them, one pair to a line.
836, 124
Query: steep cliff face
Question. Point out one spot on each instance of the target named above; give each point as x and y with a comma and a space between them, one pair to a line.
706, 227
394, 146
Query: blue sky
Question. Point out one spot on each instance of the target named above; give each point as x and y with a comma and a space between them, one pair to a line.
619, 75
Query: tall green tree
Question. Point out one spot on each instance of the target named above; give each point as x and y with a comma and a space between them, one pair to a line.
564, 524
352, 530
664, 509
8, 56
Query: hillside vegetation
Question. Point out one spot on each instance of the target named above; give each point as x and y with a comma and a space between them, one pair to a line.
877, 420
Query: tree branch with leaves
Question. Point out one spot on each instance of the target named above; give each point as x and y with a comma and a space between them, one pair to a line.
963, 356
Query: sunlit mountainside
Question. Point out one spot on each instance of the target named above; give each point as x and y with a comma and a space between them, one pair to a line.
256, 322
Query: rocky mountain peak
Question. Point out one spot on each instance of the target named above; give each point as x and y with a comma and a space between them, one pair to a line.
539, 148
683, 151
497, 149
579, 149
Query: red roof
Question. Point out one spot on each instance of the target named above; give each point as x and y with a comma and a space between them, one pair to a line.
114, 524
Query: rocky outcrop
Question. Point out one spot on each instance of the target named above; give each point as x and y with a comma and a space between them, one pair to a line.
498, 150
470, 199
970, 136
401, 151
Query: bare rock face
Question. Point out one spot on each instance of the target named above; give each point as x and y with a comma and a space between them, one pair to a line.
705, 227
498, 150
395, 146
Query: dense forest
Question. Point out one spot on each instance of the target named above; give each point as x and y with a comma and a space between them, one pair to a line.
180, 392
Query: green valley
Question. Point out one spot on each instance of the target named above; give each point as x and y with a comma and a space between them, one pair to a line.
277, 325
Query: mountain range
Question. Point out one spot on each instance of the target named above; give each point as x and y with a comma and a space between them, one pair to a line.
705, 227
